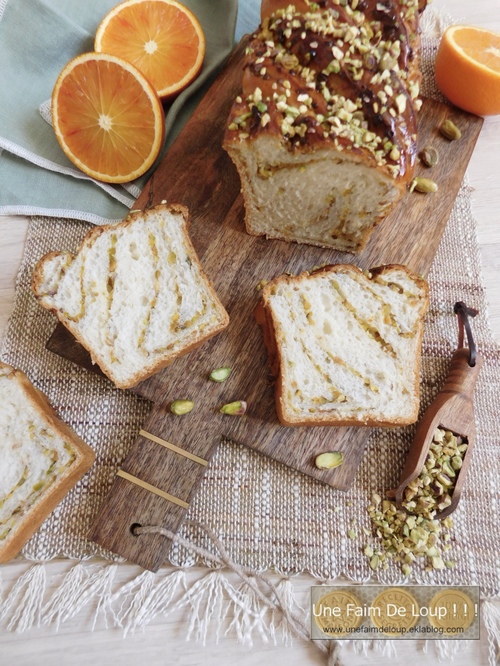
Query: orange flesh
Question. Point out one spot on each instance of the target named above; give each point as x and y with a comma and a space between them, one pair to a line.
485, 51
106, 118
164, 56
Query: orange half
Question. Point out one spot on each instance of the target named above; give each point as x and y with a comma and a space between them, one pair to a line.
162, 38
468, 69
107, 117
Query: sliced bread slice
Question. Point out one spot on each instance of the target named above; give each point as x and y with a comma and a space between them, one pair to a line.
135, 294
41, 459
345, 345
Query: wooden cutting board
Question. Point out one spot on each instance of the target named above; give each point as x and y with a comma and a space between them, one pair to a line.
198, 173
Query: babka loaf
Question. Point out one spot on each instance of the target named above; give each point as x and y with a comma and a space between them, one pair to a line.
135, 294
323, 133
344, 345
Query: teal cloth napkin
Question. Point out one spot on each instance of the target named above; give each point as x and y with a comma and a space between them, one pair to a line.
37, 38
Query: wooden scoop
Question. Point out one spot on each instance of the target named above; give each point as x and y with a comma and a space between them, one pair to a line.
453, 410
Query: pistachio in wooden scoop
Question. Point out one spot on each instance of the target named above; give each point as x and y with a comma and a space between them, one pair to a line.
432, 490
434, 474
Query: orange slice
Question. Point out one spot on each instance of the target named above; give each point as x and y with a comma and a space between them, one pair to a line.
107, 117
161, 38
468, 69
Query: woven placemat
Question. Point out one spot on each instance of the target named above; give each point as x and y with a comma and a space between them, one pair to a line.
267, 515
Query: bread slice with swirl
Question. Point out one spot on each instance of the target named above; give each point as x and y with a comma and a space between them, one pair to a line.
134, 295
344, 345
323, 133
41, 459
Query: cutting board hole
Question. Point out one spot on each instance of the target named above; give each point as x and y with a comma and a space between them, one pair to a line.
133, 529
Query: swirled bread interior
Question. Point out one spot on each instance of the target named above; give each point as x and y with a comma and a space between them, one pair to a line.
134, 295
40, 460
345, 346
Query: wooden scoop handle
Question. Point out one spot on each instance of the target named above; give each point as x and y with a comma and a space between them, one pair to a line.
462, 377
453, 409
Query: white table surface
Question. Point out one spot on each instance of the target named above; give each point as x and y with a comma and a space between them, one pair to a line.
163, 642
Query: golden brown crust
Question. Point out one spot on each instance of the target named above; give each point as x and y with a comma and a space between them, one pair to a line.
89, 239
291, 77
265, 321
264, 317
85, 457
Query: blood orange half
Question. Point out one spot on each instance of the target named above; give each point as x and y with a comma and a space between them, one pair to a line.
107, 117
162, 38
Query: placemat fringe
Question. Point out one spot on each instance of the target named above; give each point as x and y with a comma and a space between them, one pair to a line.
80, 588
211, 608
26, 597
491, 618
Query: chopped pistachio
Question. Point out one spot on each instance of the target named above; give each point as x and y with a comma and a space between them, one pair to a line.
437, 562
407, 537
395, 154
444, 479
261, 284
400, 102
448, 469
438, 435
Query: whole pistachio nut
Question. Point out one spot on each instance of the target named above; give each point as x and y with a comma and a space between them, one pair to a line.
236, 408
449, 130
181, 407
220, 374
424, 185
429, 156
329, 460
